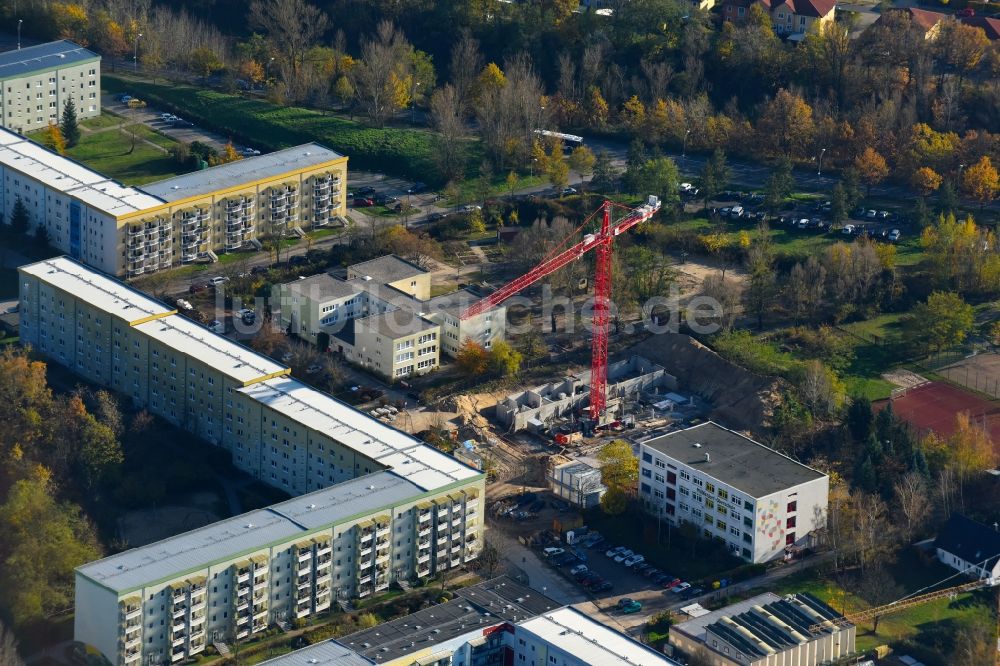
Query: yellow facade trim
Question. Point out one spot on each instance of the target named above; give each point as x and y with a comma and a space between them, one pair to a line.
167, 206
152, 318
264, 378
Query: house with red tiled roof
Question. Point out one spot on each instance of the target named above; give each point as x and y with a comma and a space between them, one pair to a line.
927, 22
991, 26
789, 17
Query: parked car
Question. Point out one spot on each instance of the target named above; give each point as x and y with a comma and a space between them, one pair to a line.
383, 199
629, 606
434, 217
671, 584
658, 579
247, 315
870, 214
634, 560
217, 280
624, 555
184, 305
603, 586
313, 369
611, 552
416, 188
552, 551
894, 235
580, 568
679, 589
363, 202
736, 211
468, 208
692, 592
848, 229
124, 99
643, 568
967, 12
217, 326
568, 191
197, 288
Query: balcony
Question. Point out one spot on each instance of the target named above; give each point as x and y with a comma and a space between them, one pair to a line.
366, 536
242, 619
132, 613
304, 584
259, 585
382, 586
471, 502
305, 569
195, 607
179, 611
424, 517
456, 521
381, 556
424, 532
243, 605
322, 551
196, 648
178, 641
258, 614
383, 531
242, 633
177, 655
424, 558
365, 579
323, 578
442, 514
322, 605
133, 642
365, 552
133, 656
305, 556
243, 591
197, 623
178, 627
442, 539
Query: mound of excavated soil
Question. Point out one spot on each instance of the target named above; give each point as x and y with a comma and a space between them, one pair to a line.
740, 399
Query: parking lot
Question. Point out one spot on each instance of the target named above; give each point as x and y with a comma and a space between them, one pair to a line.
814, 217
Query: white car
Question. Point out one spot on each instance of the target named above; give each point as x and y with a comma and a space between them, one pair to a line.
848, 229
624, 555
313, 369
678, 589
217, 280
217, 326
468, 208
870, 214
894, 235
580, 568
184, 305
552, 552
611, 552
634, 560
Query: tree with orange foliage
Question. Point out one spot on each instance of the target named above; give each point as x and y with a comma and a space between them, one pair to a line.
871, 167
472, 358
926, 180
71, 21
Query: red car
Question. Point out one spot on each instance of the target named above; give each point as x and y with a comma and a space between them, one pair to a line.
363, 202
968, 12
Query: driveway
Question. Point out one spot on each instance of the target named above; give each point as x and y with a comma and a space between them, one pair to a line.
151, 116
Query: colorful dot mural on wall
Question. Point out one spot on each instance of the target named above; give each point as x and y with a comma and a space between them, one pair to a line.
769, 525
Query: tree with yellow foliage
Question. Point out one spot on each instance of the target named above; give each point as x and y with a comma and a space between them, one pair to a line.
52, 138
252, 72
71, 21
981, 181
597, 107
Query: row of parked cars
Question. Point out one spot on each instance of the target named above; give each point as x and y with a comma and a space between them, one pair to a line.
638, 564
575, 559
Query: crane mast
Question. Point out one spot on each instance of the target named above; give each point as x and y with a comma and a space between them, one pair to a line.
602, 243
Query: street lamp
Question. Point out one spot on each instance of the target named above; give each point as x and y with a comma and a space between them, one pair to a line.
684, 145
819, 166
135, 54
19, 22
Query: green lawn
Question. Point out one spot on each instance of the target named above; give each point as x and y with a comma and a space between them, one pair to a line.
110, 152
106, 119
398, 151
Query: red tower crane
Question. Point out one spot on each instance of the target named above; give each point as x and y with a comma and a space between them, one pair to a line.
602, 243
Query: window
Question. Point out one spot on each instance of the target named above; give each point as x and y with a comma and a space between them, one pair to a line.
646, 488
792, 506
647, 473
671, 477
658, 494
658, 477
790, 539
709, 504
790, 523
661, 464
709, 487
647, 458
723, 494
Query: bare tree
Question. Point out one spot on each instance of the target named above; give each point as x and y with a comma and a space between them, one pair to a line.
466, 62
446, 117
727, 293
878, 588
492, 559
974, 645
380, 73
913, 496
658, 76
8, 648
509, 115
872, 531
294, 26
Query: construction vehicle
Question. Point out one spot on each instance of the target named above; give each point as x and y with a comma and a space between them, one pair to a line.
602, 242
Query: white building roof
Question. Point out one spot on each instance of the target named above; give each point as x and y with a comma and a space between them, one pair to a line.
229, 539
591, 642
232, 359
114, 297
405, 455
64, 175
240, 172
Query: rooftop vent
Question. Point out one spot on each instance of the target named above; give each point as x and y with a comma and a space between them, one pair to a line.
311, 506
708, 457
249, 525
697, 445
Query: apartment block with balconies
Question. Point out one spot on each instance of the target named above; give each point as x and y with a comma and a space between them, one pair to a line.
381, 505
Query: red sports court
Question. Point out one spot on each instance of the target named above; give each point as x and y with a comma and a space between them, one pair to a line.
934, 405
